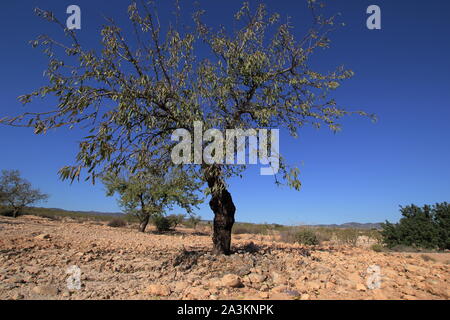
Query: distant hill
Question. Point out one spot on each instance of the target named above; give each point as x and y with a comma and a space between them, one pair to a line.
347, 225
109, 214
105, 215
354, 225
94, 213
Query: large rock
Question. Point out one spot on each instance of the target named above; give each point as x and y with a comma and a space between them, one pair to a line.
256, 278
305, 296
180, 286
158, 290
198, 293
313, 285
46, 290
231, 280
279, 279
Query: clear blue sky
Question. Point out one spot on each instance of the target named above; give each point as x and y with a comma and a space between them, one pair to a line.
361, 174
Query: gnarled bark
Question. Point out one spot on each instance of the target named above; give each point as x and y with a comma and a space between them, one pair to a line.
223, 207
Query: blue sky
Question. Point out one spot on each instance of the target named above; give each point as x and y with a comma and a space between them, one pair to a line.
362, 173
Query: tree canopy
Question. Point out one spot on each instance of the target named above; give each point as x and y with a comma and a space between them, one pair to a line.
134, 91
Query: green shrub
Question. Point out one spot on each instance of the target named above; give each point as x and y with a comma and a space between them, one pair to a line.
117, 223
192, 221
307, 237
162, 223
237, 229
403, 248
175, 219
323, 234
427, 227
427, 258
6, 213
300, 235
377, 247
348, 236
251, 228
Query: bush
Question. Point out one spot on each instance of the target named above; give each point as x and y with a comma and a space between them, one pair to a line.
301, 236
427, 258
377, 247
192, 221
237, 229
6, 213
427, 227
162, 223
307, 237
250, 228
175, 219
348, 236
117, 223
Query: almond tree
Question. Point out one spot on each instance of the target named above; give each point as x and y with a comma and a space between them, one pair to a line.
132, 92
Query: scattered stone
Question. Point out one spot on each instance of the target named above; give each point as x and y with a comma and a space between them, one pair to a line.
231, 280
313, 285
180, 286
278, 279
17, 296
256, 278
116, 263
198, 293
66, 294
280, 296
43, 236
158, 290
378, 294
292, 293
46, 290
360, 287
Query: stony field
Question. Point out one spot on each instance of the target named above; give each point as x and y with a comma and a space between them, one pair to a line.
121, 263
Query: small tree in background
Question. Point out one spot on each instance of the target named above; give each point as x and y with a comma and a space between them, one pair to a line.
427, 227
16, 193
148, 194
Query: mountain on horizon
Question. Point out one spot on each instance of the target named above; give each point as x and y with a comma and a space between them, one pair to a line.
354, 225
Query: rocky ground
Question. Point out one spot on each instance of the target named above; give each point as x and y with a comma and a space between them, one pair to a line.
121, 263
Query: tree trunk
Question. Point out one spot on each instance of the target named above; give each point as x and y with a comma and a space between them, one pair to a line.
223, 207
144, 222
15, 212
